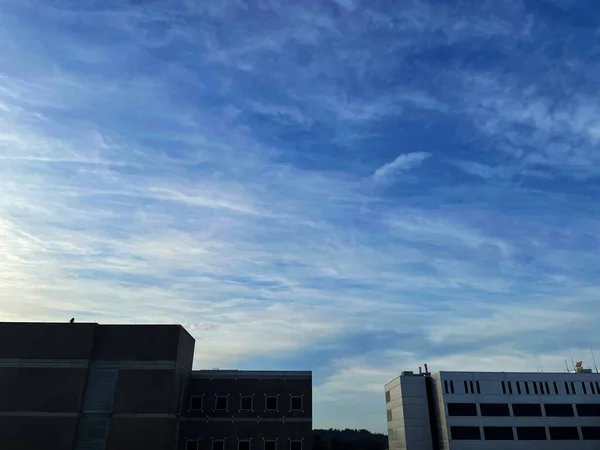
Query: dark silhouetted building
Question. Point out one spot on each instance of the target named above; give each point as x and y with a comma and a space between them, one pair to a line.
85, 386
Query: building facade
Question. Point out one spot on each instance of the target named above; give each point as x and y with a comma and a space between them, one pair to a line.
494, 410
87, 386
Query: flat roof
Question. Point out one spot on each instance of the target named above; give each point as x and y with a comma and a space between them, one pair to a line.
252, 373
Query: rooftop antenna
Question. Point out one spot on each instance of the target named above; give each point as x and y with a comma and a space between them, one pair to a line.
566, 365
594, 359
573, 361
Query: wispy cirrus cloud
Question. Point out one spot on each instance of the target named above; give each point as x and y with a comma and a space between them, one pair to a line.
401, 164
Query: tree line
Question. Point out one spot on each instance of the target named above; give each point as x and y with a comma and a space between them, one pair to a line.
348, 439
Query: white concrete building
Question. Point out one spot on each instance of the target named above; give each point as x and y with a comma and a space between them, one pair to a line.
494, 410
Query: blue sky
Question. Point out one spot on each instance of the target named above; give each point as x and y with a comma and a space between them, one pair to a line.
345, 186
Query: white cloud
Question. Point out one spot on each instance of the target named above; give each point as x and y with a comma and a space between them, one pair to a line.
402, 163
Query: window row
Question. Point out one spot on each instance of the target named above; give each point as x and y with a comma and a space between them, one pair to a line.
244, 444
524, 433
523, 409
529, 387
246, 403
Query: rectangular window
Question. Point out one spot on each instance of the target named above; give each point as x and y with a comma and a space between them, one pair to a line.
451, 387
244, 444
558, 410
527, 387
541, 388
498, 434
295, 445
191, 444
466, 387
270, 445
389, 415
494, 409
388, 397
590, 433
465, 433
246, 403
221, 403
196, 403
583, 388
472, 389
271, 403
563, 433
531, 433
446, 386
510, 388
478, 387
547, 388
597, 388
503, 388
535, 388
218, 444
573, 391
567, 388
518, 388
296, 403
555, 388
462, 409
592, 387
588, 410
527, 410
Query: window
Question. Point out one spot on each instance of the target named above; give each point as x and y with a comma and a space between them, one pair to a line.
271, 403
296, 403
518, 388
535, 388
389, 416
246, 403
196, 402
446, 386
388, 397
494, 409
244, 444
590, 433
498, 434
547, 388
472, 389
527, 410
592, 387
191, 444
270, 445
478, 387
510, 388
583, 388
588, 410
573, 391
295, 445
503, 388
555, 388
527, 387
567, 388
531, 433
597, 387
218, 444
563, 433
462, 409
221, 403
465, 433
452, 387
466, 387
558, 410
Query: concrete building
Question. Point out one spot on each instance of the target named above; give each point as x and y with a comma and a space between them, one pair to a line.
494, 410
85, 386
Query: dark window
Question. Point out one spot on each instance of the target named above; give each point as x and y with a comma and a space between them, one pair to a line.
541, 388
531, 433
558, 410
567, 388
527, 387
221, 403
592, 387
196, 402
573, 391
498, 433
472, 389
563, 433
270, 445
295, 445
271, 403
510, 387
246, 403
527, 410
296, 403
465, 433
535, 389
518, 387
478, 387
503, 388
590, 433
597, 388
547, 388
244, 444
583, 388
555, 388
588, 410
191, 445
494, 409
446, 386
389, 415
451, 386
218, 445
466, 387
462, 409
388, 397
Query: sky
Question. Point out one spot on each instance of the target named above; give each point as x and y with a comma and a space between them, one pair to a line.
349, 187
